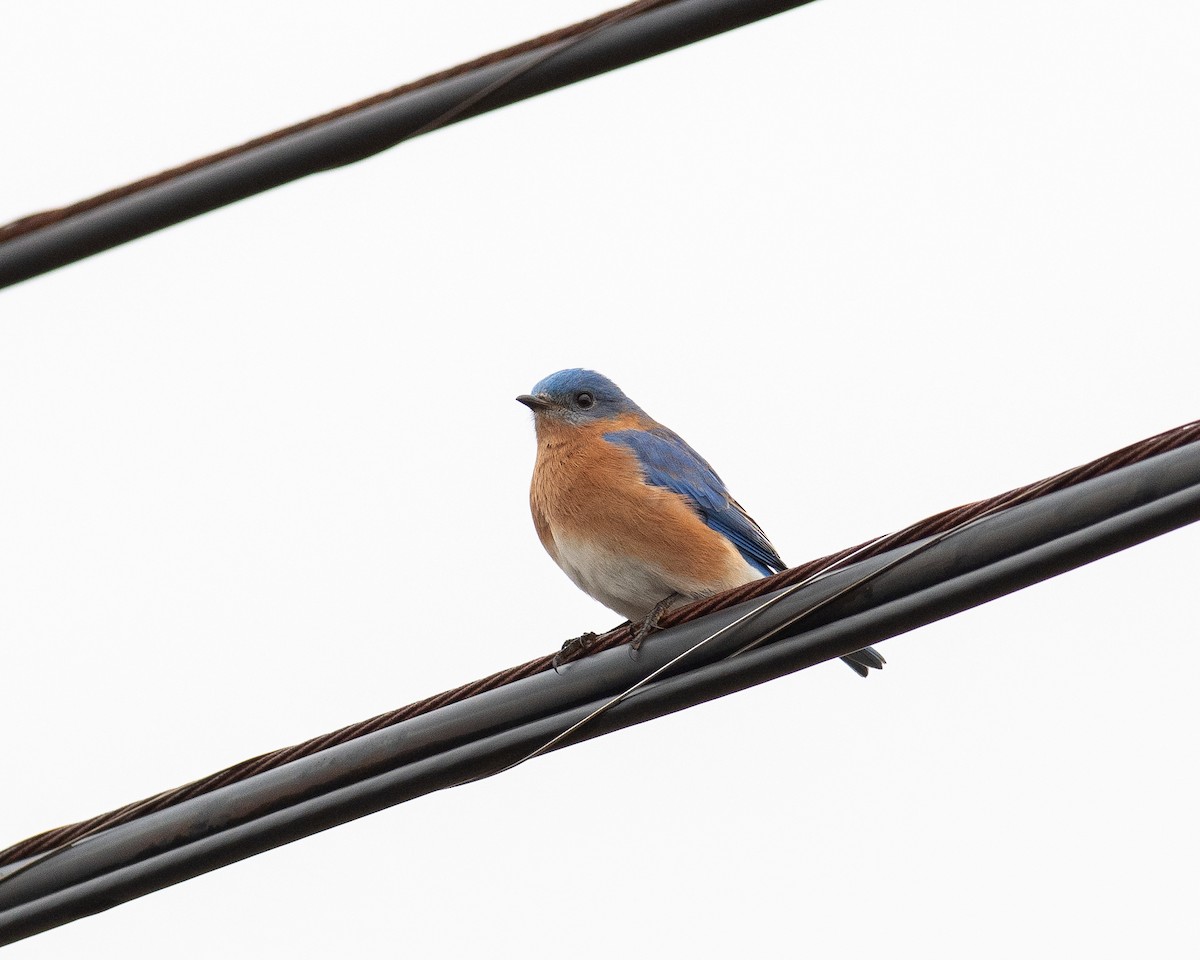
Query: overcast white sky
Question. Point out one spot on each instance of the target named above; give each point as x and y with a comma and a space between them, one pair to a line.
263, 474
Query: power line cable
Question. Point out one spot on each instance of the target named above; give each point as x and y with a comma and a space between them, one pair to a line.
912, 534
986, 557
44, 241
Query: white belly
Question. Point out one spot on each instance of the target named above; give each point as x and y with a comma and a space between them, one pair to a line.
629, 586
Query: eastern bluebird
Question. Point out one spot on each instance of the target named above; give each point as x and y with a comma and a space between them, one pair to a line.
630, 512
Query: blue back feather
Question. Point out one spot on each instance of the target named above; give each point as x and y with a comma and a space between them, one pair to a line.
667, 461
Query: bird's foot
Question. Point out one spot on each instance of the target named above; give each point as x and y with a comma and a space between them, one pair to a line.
650, 624
572, 649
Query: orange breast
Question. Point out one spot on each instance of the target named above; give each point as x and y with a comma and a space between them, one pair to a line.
587, 490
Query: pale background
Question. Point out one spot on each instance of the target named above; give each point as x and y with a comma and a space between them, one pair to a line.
262, 474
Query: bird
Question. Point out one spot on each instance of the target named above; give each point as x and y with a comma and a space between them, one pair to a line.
633, 515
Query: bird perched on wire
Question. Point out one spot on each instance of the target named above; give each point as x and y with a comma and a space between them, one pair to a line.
630, 512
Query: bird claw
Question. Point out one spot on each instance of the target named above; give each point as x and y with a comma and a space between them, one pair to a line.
573, 649
650, 624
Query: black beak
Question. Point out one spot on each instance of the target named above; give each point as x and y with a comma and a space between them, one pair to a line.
535, 403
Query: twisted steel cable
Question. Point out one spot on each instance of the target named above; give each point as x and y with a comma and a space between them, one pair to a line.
939, 523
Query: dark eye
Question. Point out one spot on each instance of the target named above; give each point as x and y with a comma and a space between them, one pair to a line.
584, 400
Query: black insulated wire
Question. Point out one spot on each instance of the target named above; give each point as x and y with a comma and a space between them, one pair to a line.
374, 128
485, 734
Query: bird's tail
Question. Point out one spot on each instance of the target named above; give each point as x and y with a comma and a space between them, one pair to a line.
865, 660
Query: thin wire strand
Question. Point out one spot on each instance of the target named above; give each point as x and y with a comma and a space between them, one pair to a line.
610, 19
750, 615
867, 578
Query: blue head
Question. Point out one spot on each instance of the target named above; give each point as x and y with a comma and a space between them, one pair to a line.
578, 396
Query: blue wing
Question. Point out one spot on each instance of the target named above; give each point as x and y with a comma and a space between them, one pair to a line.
667, 461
